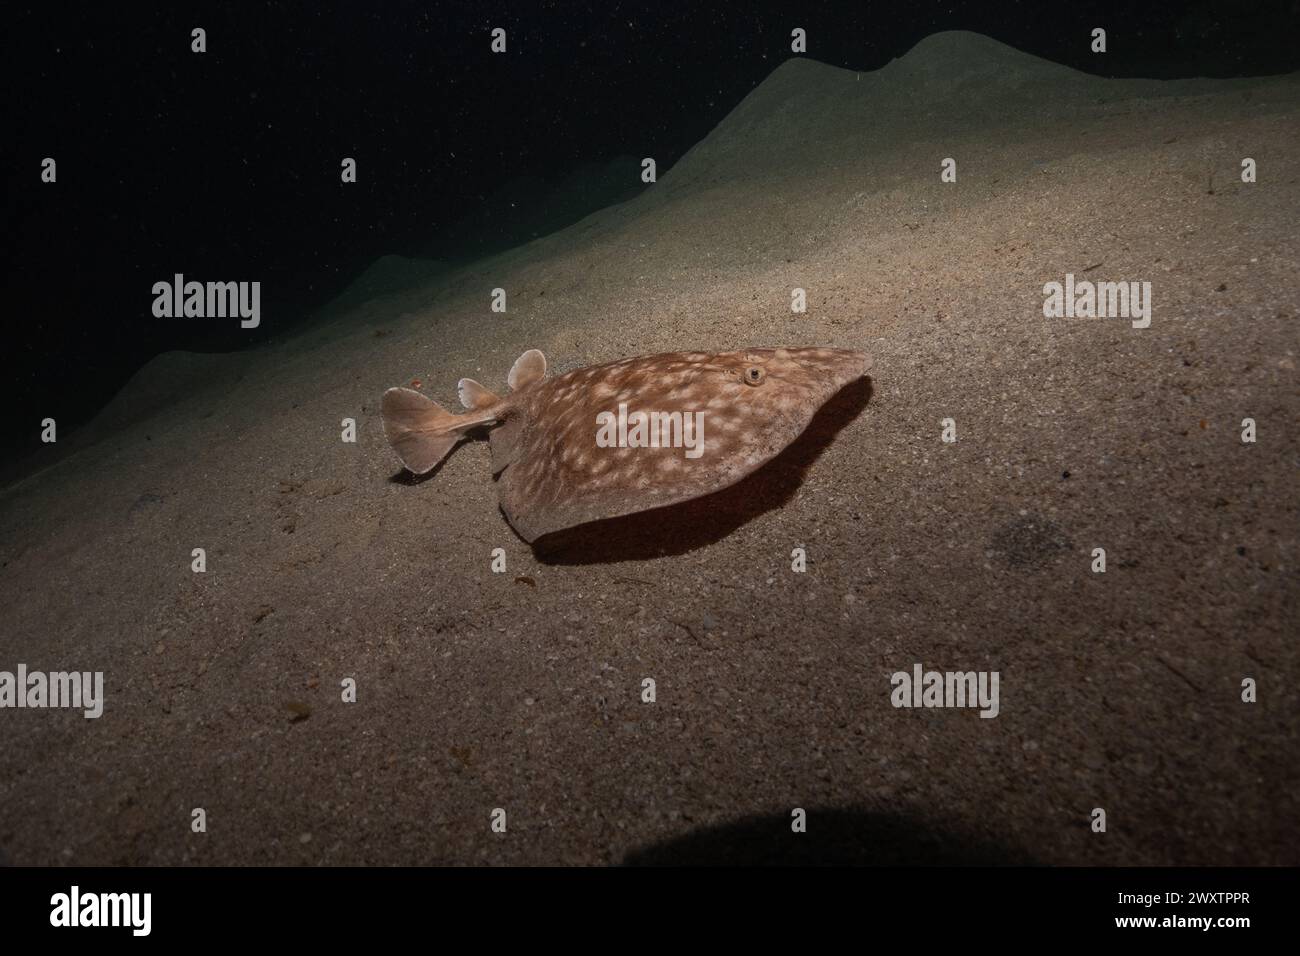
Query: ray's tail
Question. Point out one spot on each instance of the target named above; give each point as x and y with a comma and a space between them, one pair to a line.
421, 431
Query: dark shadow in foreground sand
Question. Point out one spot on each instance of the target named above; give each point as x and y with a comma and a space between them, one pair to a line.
835, 837
693, 524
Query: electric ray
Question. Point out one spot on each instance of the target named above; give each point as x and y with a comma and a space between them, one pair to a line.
609, 440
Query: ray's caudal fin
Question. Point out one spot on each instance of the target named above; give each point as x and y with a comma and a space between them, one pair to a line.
421, 431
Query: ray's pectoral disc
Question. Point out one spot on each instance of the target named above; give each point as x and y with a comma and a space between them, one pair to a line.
641, 433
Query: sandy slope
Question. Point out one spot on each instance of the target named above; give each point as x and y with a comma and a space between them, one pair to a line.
522, 690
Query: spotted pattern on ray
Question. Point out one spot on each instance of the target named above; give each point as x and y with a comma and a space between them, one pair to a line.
558, 476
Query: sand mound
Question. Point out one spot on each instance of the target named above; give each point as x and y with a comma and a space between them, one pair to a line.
389, 275
529, 207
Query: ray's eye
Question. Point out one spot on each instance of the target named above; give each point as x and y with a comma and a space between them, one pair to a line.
754, 375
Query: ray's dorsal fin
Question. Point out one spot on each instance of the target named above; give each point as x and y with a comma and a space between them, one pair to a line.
528, 368
474, 396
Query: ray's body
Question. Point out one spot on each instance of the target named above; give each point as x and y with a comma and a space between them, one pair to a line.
554, 470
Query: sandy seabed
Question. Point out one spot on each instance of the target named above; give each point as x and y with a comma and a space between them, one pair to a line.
523, 690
